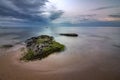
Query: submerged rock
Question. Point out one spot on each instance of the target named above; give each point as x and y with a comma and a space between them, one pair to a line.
69, 34
40, 47
7, 46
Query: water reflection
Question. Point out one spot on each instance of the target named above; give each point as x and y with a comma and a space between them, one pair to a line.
96, 49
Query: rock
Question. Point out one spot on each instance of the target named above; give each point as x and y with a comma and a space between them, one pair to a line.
69, 34
7, 46
41, 46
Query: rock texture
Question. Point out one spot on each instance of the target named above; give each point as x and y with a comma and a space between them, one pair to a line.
41, 46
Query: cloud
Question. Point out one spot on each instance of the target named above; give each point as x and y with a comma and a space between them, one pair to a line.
105, 7
27, 10
93, 23
86, 17
115, 15
76, 19
55, 14
89, 20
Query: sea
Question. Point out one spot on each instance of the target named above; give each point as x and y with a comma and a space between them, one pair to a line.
108, 35
96, 48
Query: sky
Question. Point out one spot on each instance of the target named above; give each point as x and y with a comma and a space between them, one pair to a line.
60, 12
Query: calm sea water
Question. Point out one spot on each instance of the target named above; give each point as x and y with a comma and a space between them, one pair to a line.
96, 52
12, 35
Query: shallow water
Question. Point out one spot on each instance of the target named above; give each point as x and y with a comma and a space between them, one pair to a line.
93, 47
96, 52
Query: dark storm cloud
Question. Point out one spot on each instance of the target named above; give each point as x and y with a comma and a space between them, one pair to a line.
55, 15
30, 10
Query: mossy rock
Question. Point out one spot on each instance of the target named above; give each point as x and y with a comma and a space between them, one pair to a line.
41, 47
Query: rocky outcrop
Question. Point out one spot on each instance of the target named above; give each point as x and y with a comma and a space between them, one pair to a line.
69, 34
41, 46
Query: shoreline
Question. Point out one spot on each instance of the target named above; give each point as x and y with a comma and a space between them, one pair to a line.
11, 68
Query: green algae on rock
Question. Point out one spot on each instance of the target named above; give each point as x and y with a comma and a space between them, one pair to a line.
40, 47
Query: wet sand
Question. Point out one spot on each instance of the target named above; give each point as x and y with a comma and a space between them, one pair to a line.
93, 55
54, 68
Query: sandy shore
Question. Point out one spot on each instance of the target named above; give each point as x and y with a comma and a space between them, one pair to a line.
11, 68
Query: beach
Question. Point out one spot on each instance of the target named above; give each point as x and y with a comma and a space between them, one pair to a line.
59, 40
93, 55
11, 68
